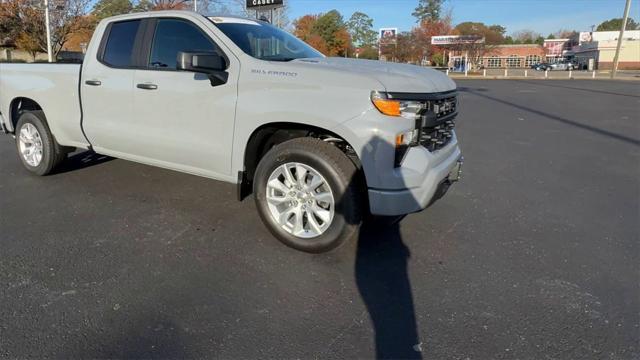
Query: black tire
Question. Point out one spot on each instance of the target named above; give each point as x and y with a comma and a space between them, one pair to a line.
341, 175
52, 153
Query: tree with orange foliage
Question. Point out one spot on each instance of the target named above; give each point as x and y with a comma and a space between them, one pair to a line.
303, 26
304, 30
10, 21
327, 33
423, 33
27, 22
28, 44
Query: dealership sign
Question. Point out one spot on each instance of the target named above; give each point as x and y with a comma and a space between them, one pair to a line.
586, 37
388, 36
456, 39
252, 4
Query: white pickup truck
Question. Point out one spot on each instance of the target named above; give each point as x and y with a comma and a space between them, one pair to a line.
321, 142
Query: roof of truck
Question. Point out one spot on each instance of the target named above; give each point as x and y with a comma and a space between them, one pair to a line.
220, 18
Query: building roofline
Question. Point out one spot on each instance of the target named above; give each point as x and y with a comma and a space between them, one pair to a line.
517, 45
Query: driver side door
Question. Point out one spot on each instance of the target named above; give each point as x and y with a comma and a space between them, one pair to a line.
181, 120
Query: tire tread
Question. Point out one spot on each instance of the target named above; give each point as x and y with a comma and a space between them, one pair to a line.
57, 152
336, 160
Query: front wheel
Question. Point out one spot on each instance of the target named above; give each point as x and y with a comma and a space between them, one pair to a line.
306, 192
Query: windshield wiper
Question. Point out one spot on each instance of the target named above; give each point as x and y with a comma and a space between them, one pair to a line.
281, 59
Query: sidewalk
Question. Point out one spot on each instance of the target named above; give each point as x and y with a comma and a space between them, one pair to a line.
498, 74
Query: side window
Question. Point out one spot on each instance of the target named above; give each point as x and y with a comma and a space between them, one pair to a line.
172, 36
118, 50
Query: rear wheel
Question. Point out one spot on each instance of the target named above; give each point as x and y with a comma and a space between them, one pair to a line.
37, 149
306, 192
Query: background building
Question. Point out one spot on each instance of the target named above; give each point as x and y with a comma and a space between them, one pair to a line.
558, 49
598, 48
513, 56
500, 56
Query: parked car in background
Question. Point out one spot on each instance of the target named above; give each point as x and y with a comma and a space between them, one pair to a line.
563, 65
540, 66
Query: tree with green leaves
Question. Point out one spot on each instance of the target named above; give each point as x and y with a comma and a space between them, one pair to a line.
142, 6
525, 36
360, 27
493, 34
428, 10
329, 23
498, 29
332, 28
616, 24
106, 8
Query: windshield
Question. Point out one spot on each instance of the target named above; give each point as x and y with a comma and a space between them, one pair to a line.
264, 41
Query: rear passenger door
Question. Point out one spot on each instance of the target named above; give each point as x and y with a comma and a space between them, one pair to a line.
107, 87
185, 123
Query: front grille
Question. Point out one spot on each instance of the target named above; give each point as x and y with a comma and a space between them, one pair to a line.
437, 137
437, 124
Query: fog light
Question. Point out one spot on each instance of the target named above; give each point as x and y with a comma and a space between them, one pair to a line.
408, 138
403, 142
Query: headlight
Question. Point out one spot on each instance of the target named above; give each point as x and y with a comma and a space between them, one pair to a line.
411, 110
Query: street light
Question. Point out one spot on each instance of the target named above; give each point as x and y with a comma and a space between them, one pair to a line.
624, 25
46, 20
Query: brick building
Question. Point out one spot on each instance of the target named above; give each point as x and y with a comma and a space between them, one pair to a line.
513, 56
502, 56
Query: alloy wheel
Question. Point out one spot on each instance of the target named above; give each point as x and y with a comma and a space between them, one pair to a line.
300, 200
30, 144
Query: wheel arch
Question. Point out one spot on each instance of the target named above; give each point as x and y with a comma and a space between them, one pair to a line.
263, 138
18, 105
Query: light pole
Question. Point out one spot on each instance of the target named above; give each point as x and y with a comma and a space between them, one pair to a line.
624, 24
195, 5
46, 21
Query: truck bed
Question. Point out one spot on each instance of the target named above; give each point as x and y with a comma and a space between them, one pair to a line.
54, 87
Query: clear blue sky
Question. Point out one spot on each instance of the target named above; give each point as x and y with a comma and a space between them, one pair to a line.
543, 16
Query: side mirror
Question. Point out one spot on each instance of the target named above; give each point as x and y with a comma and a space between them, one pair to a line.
210, 63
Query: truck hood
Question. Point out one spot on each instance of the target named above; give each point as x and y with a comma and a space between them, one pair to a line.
393, 76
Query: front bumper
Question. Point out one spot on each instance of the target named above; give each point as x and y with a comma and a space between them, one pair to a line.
3, 128
439, 173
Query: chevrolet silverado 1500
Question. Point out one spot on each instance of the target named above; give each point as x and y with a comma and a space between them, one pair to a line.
320, 142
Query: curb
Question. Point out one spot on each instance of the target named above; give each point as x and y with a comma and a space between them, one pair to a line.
539, 78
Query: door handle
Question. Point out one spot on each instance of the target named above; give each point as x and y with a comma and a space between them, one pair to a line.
93, 82
147, 86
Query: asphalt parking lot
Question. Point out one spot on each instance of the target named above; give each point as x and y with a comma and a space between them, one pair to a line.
534, 255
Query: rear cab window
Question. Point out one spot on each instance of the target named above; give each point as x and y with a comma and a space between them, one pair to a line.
119, 46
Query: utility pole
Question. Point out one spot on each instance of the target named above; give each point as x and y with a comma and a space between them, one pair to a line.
46, 20
624, 25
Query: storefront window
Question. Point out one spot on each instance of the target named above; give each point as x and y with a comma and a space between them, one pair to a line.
493, 62
513, 61
532, 60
